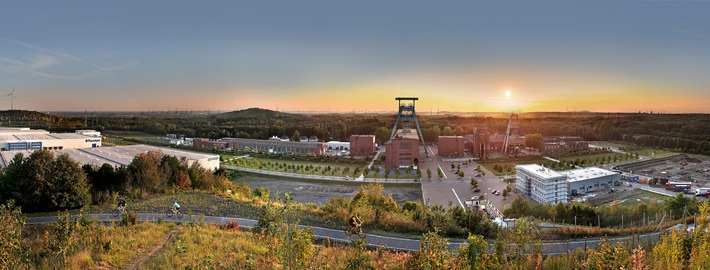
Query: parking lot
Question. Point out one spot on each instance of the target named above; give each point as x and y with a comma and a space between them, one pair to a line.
444, 191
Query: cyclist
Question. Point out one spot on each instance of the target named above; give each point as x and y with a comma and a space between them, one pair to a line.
355, 222
176, 206
121, 204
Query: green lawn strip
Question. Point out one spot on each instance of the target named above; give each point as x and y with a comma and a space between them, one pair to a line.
659, 153
591, 159
645, 197
339, 165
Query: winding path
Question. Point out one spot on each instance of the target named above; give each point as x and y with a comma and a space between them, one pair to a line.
402, 244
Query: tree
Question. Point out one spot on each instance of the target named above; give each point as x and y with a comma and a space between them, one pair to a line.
458, 131
440, 172
447, 131
461, 174
474, 254
433, 253
428, 173
70, 186
534, 140
11, 223
144, 174
474, 183
505, 194
296, 136
382, 134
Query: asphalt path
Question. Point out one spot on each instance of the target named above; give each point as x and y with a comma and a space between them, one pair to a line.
402, 244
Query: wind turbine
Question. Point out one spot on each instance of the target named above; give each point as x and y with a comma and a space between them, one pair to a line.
12, 99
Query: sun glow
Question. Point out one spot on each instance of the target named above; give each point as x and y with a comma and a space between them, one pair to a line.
508, 93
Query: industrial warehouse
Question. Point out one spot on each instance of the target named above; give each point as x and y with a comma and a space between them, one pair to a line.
19, 139
120, 155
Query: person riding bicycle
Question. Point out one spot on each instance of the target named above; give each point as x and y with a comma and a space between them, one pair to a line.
121, 204
176, 206
355, 222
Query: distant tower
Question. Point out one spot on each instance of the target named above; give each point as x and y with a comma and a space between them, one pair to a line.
511, 130
406, 115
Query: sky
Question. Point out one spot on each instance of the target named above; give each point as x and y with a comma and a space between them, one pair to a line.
356, 56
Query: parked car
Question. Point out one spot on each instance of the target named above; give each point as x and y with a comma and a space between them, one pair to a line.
477, 190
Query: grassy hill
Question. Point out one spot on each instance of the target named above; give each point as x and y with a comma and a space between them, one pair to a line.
37, 120
257, 113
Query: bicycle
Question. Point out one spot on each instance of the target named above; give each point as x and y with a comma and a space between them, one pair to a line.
172, 211
355, 230
118, 211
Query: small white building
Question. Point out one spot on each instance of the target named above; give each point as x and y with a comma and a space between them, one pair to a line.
336, 145
89, 132
541, 184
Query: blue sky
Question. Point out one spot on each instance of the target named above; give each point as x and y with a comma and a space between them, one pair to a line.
345, 56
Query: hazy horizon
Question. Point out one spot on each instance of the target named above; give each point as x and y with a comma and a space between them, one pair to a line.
323, 56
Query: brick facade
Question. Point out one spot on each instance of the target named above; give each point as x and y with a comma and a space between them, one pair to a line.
362, 145
451, 146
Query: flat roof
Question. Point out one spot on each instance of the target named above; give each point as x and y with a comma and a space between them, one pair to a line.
540, 171
586, 174
27, 137
114, 155
365, 136
411, 134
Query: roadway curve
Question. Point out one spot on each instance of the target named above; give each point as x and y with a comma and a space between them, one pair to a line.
548, 248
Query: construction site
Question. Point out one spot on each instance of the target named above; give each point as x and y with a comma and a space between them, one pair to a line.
686, 168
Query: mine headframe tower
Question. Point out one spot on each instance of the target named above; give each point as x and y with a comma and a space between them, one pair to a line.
406, 115
512, 127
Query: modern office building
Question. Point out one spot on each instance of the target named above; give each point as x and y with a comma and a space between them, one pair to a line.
541, 184
18, 139
581, 181
451, 146
362, 145
544, 185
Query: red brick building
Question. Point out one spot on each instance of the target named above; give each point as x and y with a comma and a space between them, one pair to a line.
482, 144
563, 144
402, 152
362, 145
451, 146
207, 143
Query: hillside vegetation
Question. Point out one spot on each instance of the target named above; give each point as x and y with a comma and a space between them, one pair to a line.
277, 243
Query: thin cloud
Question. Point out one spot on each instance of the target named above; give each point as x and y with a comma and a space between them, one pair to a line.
688, 33
56, 53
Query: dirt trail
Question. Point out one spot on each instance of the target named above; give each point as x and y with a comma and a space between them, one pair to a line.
157, 248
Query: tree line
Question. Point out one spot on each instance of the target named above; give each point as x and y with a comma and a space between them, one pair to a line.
45, 182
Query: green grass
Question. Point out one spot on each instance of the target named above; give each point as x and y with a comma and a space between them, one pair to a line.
337, 168
644, 197
659, 153
592, 159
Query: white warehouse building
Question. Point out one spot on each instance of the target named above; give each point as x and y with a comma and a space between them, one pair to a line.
20, 139
541, 184
589, 179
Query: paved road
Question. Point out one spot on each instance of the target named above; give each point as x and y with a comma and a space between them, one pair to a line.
373, 240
